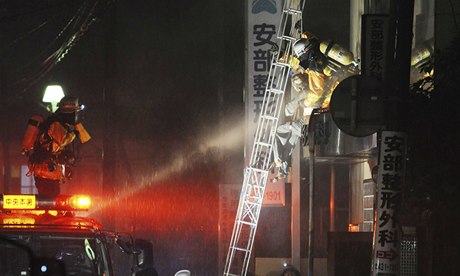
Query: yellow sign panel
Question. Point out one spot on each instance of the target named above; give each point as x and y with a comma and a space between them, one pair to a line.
18, 201
18, 221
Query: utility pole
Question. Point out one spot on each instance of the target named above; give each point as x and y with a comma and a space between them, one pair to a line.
393, 143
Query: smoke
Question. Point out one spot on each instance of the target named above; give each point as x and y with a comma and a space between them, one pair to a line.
210, 147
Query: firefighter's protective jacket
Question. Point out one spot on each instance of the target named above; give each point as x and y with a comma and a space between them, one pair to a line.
312, 67
315, 83
50, 155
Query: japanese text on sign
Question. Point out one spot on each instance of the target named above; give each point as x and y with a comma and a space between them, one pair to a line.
389, 184
18, 201
261, 33
264, 35
376, 49
376, 27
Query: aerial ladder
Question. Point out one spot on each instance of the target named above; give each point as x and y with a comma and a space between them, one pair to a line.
257, 172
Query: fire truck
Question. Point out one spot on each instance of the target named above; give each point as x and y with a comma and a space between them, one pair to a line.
43, 235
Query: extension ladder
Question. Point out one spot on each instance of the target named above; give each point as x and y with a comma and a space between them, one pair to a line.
257, 172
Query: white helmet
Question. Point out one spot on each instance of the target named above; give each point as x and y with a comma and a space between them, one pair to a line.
301, 47
183, 273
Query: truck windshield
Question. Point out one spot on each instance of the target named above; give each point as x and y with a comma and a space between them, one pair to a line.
81, 255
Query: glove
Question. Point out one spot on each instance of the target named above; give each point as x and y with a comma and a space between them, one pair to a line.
274, 49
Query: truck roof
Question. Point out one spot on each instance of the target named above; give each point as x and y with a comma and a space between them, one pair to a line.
26, 221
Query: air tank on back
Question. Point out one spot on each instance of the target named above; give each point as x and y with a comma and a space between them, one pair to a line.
336, 52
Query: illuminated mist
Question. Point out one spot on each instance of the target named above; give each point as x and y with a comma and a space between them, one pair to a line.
231, 139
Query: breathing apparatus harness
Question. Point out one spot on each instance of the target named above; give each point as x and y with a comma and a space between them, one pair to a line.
43, 148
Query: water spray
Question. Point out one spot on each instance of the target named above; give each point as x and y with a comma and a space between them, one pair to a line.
221, 141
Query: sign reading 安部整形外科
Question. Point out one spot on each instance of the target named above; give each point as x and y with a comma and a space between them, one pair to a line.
387, 238
263, 18
375, 42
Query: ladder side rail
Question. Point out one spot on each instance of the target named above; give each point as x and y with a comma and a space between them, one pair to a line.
267, 128
246, 245
255, 194
252, 230
282, 83
258, 206
241, 213
262, 121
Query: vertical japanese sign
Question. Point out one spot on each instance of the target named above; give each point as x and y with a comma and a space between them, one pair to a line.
263, 18
375, 37
387, 228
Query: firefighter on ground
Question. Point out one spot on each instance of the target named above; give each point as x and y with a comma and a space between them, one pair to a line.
318, 67
48, 145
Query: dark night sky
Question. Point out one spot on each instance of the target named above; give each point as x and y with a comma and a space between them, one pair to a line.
169, 55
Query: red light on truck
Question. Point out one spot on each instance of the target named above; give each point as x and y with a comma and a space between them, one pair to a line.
73, 202
80, 202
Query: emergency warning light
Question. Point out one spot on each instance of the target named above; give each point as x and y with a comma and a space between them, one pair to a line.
44, 202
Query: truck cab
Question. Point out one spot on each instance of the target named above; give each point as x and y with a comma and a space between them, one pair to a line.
40, 235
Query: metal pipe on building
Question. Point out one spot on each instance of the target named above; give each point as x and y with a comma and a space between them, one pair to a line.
295, 208
311, 148
332, 199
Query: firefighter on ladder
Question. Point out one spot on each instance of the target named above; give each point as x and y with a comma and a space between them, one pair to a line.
47, 144
318, 67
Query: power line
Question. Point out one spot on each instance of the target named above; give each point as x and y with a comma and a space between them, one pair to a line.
70, 34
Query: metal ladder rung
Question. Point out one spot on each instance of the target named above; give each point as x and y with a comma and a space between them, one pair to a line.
286, 37
253, 203
282, 63
269, 117
264, 144
276, 91
247, 223
240, 249
292, 11
258, 170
